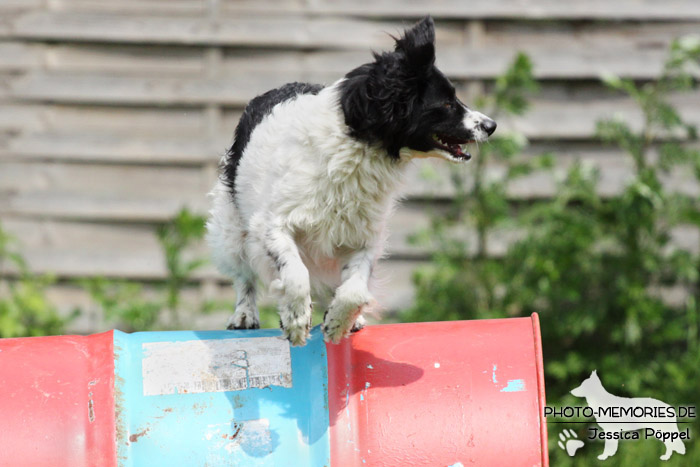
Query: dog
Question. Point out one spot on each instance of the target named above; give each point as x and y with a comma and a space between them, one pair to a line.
608, 411
306, 188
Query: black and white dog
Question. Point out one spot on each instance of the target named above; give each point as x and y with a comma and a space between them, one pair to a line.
306, 188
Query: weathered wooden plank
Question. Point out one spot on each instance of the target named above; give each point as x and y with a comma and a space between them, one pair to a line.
636, 52
256, 30
127, 59
5, 80
453, 9
20, 117
76, 249
116, 148
9, 6
574, 115
458, 9
134, 90
101, 192
179, 7
302, 31
594, 35
73, 249
558, 112
17, 56
107, 125
577, 61
155, 193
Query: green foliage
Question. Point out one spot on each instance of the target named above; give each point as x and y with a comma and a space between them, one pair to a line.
595, 269
125, 303
510, 91
25, 309
174, 237
464, 278
133, 308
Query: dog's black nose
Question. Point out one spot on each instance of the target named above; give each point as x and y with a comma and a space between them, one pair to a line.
489, 126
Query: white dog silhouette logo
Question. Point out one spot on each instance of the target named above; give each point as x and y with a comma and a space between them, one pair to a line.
617, 415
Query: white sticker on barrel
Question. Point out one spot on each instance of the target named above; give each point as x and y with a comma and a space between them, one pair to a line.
215, 365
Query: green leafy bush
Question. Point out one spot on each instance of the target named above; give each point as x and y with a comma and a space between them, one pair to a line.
597, 270
131, 306
25, 309
464, 279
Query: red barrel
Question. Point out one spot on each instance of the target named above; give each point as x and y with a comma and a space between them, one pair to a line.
449, 393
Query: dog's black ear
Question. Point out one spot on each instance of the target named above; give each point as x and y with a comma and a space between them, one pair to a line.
418, 45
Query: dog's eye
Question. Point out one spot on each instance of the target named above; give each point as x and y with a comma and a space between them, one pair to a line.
448, 105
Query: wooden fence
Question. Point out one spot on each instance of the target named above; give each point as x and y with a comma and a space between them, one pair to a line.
113, 115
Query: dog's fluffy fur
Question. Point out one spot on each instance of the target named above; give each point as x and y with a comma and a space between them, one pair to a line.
307, 186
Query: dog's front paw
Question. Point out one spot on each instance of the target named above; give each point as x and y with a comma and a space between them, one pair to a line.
334, 329
345, 311
294, 294
296, 330
296, 335
360, 323
295, 319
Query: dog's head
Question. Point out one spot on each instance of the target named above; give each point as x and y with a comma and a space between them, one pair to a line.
401, 100
588, 386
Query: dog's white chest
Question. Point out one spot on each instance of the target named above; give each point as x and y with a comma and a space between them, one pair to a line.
353, 196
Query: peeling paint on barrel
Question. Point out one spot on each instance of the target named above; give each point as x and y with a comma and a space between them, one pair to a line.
121, 422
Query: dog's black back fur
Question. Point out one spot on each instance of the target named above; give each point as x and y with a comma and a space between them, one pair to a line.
253, 114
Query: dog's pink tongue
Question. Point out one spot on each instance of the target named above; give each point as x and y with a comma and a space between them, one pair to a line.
456, 149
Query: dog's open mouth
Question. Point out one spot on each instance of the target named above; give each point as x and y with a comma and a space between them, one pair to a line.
456, 147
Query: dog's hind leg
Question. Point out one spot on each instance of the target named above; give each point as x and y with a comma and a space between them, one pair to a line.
246, 314
227, 239
345, 312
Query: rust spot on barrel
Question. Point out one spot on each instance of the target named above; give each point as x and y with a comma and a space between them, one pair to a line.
91, 411
135, 437
119, 412
235, 433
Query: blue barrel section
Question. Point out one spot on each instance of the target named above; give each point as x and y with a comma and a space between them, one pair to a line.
251, 399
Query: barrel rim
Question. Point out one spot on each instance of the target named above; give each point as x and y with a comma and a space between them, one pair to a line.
537, 336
